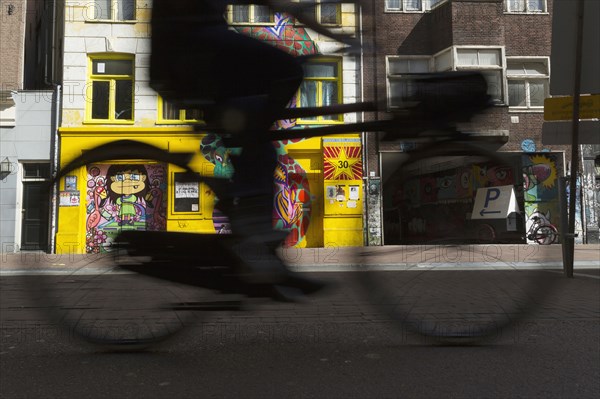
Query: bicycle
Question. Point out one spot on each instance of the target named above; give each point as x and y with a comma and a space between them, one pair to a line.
541, 231
146, 289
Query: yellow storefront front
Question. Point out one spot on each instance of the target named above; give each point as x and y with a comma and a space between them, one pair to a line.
98, 201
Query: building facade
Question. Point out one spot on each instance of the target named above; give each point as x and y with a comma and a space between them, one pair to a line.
28, 115
510, 42
106, 97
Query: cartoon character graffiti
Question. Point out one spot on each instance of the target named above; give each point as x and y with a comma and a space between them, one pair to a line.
446, 186
120, 197
214, 151
428, 189
464, 188
126, 188
540, 172
489, 175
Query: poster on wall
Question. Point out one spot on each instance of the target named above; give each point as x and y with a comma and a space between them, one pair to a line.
123, 197
342, 159
69, 198
187, 194
71, 183
342, 172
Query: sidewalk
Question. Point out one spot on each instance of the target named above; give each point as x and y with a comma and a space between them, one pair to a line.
332, 258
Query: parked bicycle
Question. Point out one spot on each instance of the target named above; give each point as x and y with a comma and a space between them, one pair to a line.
541, 231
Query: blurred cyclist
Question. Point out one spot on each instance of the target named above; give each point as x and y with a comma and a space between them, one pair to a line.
241, 84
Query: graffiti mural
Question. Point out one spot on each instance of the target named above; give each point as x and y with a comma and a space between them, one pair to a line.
540, 187
540, 177
436, 205
214, 151
123, 197
489, 175
292, 202
578, 213
283, 35
291, 210
288, 38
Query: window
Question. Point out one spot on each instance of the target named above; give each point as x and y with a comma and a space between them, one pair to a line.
489, 62
321, 87
36, 170
114, 10
527, 82
110, 89
526, 6
171, 114
326, 13
399, 81
251, 13
186, 194
410, 5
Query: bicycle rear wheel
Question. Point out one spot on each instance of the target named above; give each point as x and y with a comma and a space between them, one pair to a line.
96, 296
97, 302
443, 282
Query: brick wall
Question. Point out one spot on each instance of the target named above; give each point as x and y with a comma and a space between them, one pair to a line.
12, 33
460, 23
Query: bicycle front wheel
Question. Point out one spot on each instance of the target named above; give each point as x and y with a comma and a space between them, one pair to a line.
545, 235
444, 282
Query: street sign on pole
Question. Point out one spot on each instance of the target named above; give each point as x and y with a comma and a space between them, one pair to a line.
561, 108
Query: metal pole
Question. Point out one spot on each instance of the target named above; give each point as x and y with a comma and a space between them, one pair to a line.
564, 220
569, 244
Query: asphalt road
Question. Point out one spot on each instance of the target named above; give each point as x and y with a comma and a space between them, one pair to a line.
334, 346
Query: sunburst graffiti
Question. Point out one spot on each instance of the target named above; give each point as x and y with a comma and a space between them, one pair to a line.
541, 171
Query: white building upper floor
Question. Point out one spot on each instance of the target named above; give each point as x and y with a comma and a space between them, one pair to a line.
106, 60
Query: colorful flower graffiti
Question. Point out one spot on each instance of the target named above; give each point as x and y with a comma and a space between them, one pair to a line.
288, 38
291, 211
540, 187
292, 203
283, 35
123, 197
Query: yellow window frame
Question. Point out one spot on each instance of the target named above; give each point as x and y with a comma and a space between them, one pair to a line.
112, 80
319, 94
182, 120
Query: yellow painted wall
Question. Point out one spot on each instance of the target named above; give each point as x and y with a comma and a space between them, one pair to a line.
71, 235
343, 229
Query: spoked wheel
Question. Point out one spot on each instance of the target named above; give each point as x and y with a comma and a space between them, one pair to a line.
97, 296
443, 283
545, 235
99, 302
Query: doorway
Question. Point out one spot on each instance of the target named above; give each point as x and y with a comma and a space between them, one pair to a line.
34, 225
